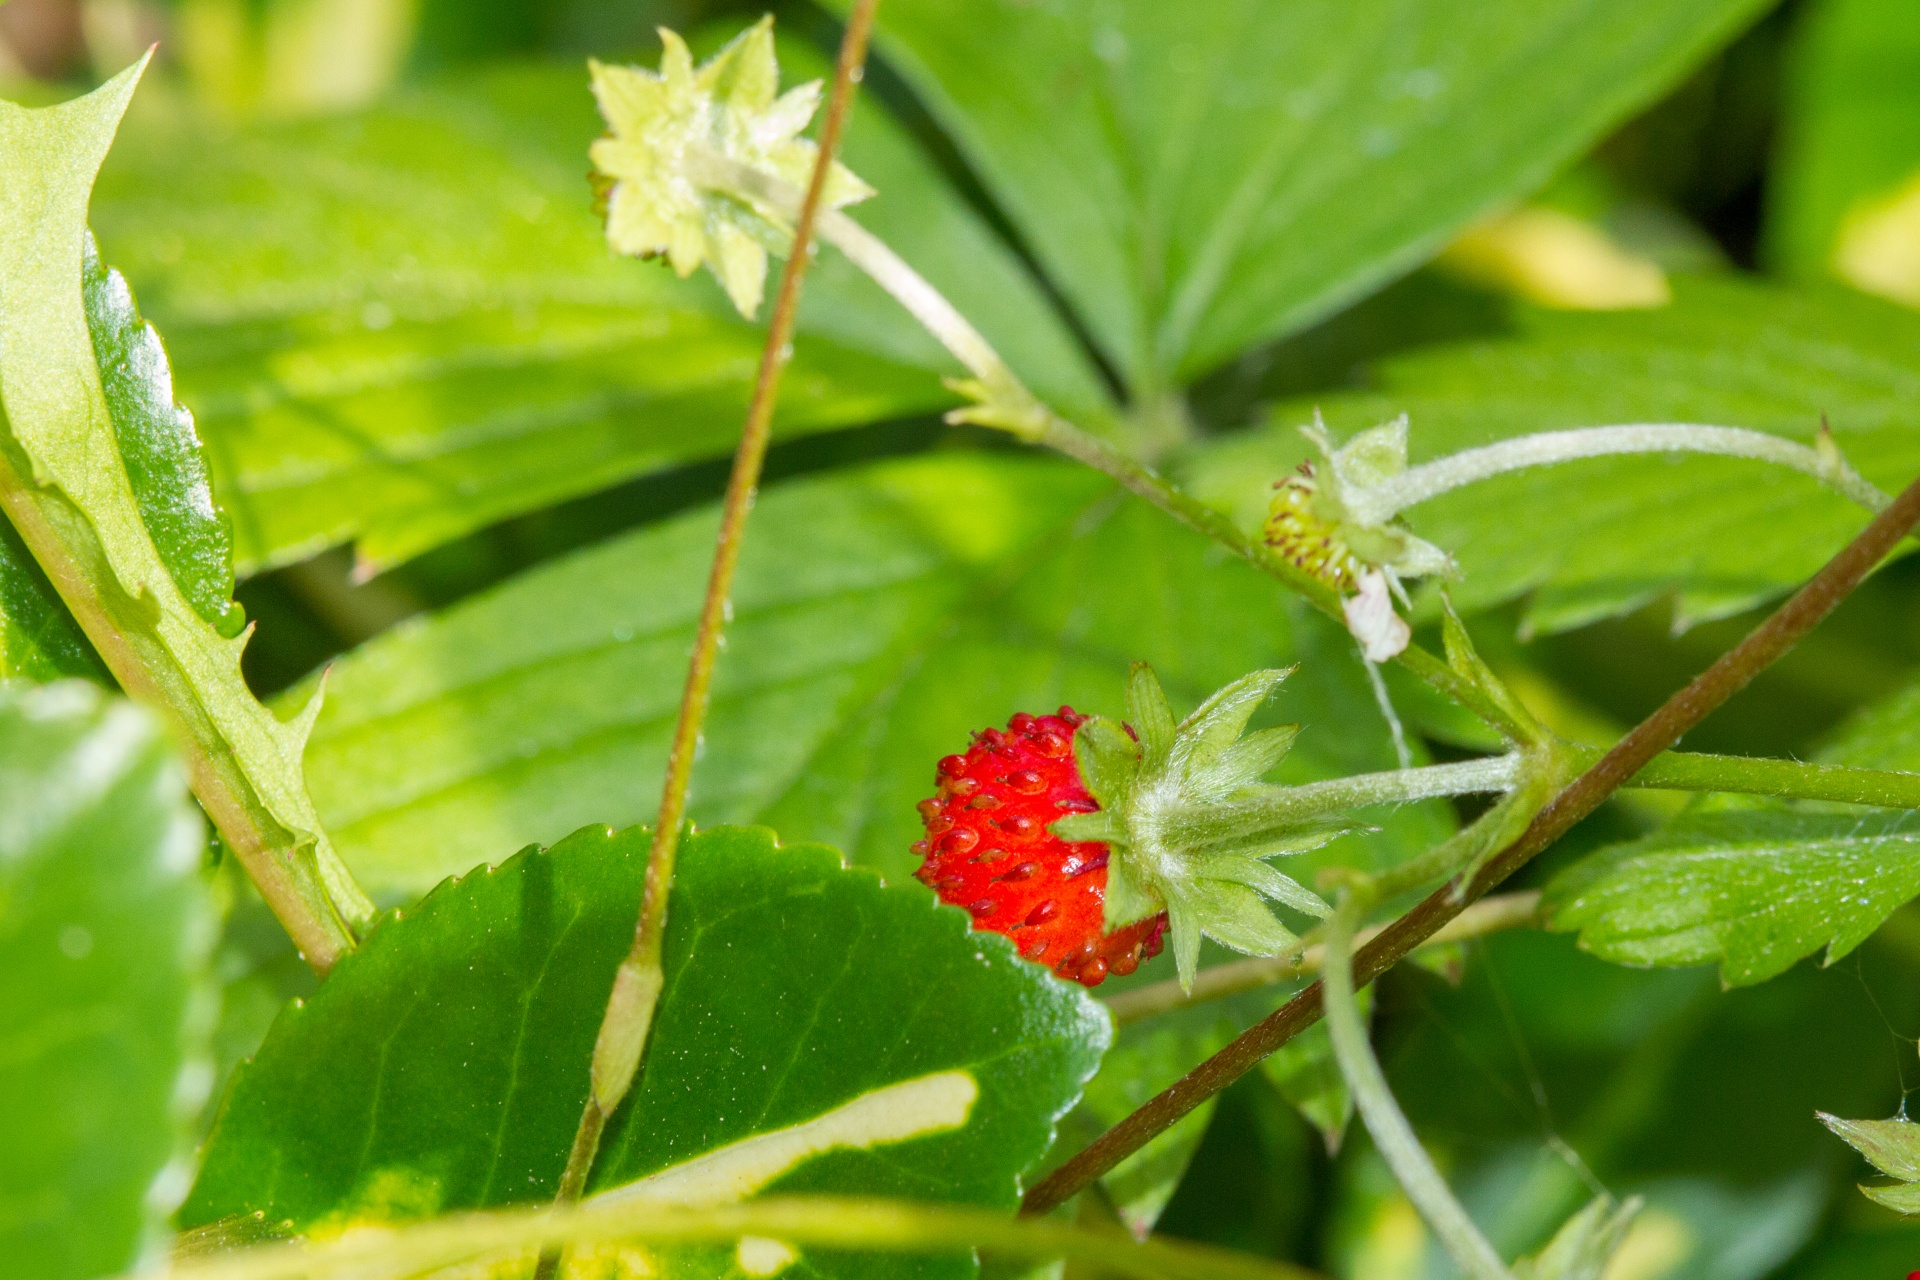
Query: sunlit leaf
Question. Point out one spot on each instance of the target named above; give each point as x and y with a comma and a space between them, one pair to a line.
1199, 177
399, 325
443, 1065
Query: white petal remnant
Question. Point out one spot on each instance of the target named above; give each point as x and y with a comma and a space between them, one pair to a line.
1382, 633
666, 130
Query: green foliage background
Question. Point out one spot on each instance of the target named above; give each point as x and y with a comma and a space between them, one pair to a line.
471, 461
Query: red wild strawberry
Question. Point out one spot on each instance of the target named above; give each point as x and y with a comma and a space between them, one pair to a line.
988, 850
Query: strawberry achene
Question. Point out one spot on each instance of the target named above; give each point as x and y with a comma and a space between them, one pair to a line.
988, 851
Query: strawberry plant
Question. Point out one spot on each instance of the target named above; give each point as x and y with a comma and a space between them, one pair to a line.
1428, 491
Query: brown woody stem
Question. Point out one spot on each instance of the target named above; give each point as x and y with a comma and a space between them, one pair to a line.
1659, 731
638, 982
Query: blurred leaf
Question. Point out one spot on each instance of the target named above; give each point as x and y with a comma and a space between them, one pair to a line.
1589, 540
392, 1093
881, 615
1756, 887
400, 325
1198, 178
105, 930
1841, 197
1146, 1058
1850, 1254
1304, 1071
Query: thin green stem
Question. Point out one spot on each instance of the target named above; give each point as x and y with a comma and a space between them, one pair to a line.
875, 1226
1634, 753
1490, 915
1393, 1137
637, 983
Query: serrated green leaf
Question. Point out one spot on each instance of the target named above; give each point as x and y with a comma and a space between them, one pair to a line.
105, 933
1753, 892
1850, 137
71, 492
881, 615
164, 460
443, 1064
1198, 178
401, 324
1757, 887
1590, 540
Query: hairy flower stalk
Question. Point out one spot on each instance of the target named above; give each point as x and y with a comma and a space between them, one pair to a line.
1385, 498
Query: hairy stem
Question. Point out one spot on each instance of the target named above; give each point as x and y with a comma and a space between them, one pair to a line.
1659, 731
1494, 914
1393, 1137
1380, 502
637, 983
879, 1226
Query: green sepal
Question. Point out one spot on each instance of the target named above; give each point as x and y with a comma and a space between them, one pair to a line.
1151, 714
1128, 900
1187, 820
1469, 666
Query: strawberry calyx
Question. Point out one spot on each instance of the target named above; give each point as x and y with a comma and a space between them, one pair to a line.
1188, 823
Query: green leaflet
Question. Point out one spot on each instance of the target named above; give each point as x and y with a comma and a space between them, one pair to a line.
1588, 540
443, 1064
397, 326
1756, 888
880, 616
105, 931
1752, 891
1849, 136
165, 464
69, 493
1200, 177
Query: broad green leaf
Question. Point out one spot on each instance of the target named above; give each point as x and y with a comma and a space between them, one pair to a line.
400, 325
39, 640
880, 616
443, 1064
1200, 177
1588, 540
1752, 891
101, 475
1842, 197
1757, 887
105, 930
